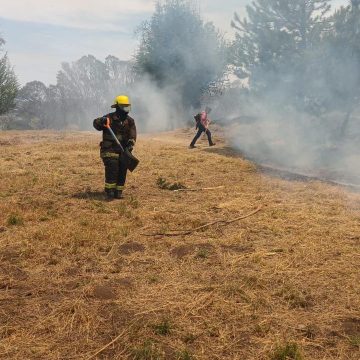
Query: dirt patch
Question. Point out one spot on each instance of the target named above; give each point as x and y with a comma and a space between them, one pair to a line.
6, 143
185, 250
103, 292
9, 254
16, 289
125, 283
13, 272
130, 248
72, 285
28, 292
351, 326
116, 315
182, 251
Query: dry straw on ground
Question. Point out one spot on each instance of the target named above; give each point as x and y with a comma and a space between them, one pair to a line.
79, 280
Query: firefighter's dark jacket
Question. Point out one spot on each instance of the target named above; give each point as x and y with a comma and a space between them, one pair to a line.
124, 131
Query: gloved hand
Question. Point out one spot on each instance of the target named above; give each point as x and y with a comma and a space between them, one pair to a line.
104, 120
130, 145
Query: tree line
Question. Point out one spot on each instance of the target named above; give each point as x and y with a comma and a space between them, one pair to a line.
9, 85
296, 54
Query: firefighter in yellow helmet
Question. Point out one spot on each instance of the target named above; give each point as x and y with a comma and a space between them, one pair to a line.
125, 130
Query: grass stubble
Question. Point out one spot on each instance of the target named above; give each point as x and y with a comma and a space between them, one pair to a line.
77, 272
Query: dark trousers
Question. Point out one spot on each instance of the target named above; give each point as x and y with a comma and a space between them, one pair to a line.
115, 173
202, 129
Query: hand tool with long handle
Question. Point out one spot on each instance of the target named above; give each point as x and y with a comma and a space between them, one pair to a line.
131, 161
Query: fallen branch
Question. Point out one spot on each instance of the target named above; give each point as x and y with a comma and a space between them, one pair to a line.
191, 231
200, 189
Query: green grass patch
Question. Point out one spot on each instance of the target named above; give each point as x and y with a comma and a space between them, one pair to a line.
355, 340
153, 279
202, 254
15, 220
165, 185
163, 328
289, 351
133, 202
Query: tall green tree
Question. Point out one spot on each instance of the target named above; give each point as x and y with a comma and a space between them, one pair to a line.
272, 43
342, 62
88, 85
83, 90
179, 50
30, 105
8, 83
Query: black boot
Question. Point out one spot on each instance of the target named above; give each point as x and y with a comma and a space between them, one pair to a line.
109, 194
118, 194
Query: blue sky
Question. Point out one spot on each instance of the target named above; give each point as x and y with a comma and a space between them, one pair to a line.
40, 34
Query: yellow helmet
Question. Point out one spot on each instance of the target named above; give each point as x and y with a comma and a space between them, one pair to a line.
121, 100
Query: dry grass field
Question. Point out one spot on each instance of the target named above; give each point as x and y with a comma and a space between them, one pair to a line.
83, 278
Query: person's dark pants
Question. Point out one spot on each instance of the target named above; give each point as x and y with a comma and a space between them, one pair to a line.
115, 173
202, 129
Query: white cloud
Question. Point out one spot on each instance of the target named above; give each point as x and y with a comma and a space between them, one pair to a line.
43, 68
109, 15
24, 42
84, 14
